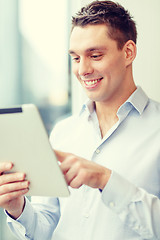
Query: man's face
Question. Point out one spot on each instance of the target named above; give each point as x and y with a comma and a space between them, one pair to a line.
97, 63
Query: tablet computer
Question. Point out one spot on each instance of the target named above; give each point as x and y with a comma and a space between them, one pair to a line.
24, 141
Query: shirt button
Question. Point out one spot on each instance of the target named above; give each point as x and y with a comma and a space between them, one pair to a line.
112, 204
98, 150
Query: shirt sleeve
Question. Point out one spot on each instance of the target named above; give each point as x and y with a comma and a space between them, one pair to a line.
38, 220
134, 206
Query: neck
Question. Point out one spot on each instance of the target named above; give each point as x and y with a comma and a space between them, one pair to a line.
107, 111
112, 105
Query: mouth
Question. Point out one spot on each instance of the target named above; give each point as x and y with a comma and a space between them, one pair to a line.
92, 83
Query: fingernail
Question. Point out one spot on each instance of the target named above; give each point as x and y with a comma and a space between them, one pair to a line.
24, 184
21, 175
28, 183
8, 165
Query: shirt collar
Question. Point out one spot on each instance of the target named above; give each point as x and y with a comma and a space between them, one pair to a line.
88, 107
138, 100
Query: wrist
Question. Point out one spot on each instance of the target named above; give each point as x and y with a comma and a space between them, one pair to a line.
105, 179
15, 213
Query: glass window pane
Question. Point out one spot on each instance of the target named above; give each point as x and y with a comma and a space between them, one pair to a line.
34, 62
44, 34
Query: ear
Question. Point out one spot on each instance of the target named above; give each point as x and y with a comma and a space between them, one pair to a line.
130, 50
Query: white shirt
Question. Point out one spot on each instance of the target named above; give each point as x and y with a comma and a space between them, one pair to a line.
129, 206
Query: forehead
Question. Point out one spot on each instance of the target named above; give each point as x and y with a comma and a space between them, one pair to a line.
90, 36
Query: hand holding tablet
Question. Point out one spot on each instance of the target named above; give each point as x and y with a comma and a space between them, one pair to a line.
24, 141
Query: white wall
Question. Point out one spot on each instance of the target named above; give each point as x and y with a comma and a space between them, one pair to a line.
147, 64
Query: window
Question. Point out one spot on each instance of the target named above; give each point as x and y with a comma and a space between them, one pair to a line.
34, 62
44, 42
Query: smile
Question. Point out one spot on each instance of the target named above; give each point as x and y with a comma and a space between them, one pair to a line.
92, 82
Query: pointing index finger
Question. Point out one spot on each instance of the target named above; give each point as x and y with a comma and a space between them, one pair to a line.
61, 155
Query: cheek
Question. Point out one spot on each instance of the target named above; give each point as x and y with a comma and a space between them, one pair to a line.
103, 68
75, 70
114, 67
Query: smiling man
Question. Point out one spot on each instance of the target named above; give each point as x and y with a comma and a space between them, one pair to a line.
103, 69
109, 152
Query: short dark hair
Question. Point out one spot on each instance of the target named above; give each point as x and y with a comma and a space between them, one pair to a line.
121, 26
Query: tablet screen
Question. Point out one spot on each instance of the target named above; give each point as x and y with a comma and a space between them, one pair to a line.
24, 141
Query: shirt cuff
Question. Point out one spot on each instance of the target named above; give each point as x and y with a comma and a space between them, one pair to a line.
21, 223
118, 193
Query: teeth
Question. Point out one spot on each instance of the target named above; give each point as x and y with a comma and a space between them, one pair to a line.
89, 83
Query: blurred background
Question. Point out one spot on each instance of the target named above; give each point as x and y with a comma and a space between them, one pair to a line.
35, 66
33, 56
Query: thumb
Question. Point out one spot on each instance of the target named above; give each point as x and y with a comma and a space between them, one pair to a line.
60, 155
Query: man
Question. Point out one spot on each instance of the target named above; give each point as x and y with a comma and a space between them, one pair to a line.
109, 153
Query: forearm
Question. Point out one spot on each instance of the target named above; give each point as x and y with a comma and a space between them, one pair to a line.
37, 220
134, 206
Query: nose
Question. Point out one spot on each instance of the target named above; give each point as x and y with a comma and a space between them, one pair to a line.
85, 67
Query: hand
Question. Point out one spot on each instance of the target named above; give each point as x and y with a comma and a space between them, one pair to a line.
12, 188
79, 171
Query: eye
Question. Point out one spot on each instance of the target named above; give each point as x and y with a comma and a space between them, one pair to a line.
96, 56
76, 59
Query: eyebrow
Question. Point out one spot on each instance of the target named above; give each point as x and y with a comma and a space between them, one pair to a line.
93, 49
